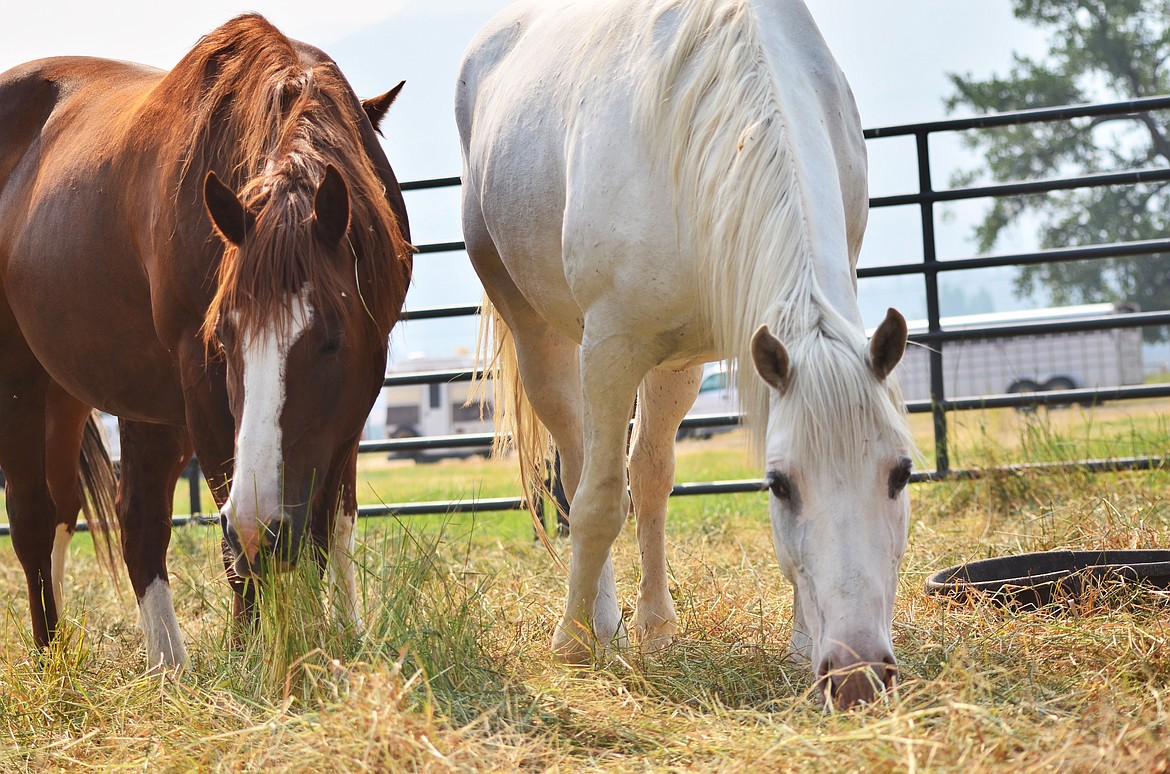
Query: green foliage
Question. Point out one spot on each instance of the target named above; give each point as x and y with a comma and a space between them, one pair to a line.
1099, 50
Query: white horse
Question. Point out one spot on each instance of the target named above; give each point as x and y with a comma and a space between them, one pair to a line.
650, 185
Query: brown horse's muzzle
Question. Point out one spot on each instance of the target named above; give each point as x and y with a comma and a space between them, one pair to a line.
275, 546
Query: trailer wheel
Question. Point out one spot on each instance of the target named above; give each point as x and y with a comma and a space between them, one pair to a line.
1024, 385
1059, 383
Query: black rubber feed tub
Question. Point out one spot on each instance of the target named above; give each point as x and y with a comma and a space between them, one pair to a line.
1039, 580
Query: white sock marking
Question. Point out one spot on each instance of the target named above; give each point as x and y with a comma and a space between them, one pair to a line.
60, 553
164, 641
343, 584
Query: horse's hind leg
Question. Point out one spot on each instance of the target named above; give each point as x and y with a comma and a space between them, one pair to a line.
65, 420
549, 363
663, 400
31, 511
153, 458
550, 368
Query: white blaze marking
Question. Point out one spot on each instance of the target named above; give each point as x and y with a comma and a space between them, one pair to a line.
60, 549
164, 642
256, 486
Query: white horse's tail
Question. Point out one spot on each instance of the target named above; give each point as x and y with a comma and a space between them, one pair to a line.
516, 422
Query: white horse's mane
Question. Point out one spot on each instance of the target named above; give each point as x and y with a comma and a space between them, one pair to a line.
721, 131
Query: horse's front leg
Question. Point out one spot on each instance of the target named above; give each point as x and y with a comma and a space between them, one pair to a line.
212, 429
663, 400
153, 458
592, 620
334, 529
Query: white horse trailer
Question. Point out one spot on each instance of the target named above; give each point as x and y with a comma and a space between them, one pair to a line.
425, 410
1028, 362
1006, 364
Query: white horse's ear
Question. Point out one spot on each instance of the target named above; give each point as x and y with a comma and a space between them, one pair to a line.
770, 358
887, 345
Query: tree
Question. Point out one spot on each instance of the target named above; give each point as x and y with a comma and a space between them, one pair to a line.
1100, 50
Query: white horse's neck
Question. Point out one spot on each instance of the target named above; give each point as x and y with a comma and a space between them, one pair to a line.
763, 142
801, 63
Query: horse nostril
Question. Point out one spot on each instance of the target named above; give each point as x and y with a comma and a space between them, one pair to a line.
232, 541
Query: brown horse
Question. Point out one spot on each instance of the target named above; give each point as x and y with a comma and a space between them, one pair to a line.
216, 255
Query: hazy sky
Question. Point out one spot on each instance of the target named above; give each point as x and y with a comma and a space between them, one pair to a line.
895, 53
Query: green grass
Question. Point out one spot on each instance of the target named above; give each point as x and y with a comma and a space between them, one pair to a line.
453, 670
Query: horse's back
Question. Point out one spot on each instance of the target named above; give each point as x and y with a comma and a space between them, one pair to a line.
551, 106
71, 222
545, 109
60, 106
32, 91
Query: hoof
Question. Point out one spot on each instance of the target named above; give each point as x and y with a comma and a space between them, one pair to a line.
169, 665
575, 645
653, 638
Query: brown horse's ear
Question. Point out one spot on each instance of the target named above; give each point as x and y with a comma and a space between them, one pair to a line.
231, 218
887, 345
770, 358
331, 207
376, 107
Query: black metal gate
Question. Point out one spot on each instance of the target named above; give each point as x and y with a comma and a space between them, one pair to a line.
936, 337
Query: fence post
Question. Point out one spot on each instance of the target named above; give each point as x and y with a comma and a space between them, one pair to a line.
194, 476
933, 315
560, 499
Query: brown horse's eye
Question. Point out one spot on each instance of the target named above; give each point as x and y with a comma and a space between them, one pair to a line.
333, 344
223, 334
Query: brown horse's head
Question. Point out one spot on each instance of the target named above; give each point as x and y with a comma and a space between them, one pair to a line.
314, 270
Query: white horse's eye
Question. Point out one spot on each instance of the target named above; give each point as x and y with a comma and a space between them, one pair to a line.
780, 485
900, 476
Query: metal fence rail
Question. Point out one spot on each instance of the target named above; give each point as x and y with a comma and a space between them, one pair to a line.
930, 267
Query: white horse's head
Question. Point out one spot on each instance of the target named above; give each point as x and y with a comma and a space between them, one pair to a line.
838, 461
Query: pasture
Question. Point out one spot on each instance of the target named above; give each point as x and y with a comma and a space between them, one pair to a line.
454, 672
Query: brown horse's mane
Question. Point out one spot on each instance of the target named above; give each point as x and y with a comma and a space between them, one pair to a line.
268, 119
